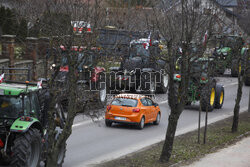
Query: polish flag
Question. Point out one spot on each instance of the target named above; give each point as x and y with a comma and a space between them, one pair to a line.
1, 78
205, 38
39, 84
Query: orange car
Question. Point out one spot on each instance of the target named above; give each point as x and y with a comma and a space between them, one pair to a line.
132, 109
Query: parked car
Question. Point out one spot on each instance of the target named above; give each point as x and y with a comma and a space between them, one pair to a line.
132, 109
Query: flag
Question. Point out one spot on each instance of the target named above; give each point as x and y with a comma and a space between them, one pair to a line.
39, 84
205, 38
1, 78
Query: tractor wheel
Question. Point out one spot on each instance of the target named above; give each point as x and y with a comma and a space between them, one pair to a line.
4, 161
234, 68
163, 85
27, 149
220, 71
188, 103
219, 96
208, 97
147, 86
247, 81
103, 96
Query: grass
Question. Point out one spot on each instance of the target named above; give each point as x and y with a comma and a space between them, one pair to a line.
186, 149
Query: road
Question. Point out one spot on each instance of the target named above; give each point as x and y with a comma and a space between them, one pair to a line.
92, 143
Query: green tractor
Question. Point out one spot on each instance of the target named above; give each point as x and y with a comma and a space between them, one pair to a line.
227, 51
202, 87
23, 123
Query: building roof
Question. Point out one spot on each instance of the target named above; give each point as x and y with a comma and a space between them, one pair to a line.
228, 3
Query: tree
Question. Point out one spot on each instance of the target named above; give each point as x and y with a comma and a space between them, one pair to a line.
55, 23
180, 26
242, 62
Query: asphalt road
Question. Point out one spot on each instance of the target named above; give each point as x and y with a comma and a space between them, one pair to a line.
92, 143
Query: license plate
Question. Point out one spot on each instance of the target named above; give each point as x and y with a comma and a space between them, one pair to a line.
120, 118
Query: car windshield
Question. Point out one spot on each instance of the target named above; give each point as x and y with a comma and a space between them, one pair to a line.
124, 102
139, 50
10, 106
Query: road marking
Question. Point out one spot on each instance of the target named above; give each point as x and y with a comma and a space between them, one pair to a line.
163, 102
147, 143
231, 84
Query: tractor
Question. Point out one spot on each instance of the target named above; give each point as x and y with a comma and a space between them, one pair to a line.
91, 78
23, 124
141, 69
227, 51
202, 86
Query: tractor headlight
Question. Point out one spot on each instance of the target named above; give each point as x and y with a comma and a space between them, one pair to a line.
224, 53
52, 66
132, 72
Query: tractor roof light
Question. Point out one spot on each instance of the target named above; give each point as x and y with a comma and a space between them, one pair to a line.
203, 78
178, 76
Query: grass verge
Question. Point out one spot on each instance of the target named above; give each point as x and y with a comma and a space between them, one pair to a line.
186, 149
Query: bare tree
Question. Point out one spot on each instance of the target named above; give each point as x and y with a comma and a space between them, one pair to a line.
60, 32
182, 24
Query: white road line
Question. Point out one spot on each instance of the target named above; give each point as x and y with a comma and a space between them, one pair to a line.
144, 144
231, 84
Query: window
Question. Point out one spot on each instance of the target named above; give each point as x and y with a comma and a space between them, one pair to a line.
125, 102
34, 106
150, 102
10, 106
144, 102
27, 105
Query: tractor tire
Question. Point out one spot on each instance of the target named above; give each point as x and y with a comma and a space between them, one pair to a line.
27, 149
234, 68
220, 72
4, 161
147, 86
163, 85
219, 96
247, 81
207, 101
188, 103
102, 96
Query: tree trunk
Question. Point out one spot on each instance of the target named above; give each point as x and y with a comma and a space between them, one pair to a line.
237, 104
169, 139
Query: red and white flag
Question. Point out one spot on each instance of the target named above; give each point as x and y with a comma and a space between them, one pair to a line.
205, 38
1, 78
39, 84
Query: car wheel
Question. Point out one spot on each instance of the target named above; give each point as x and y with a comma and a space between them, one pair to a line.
108, 123
142, 123
158, 119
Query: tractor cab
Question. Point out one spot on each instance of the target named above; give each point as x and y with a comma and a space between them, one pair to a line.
85, 59
142, 54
